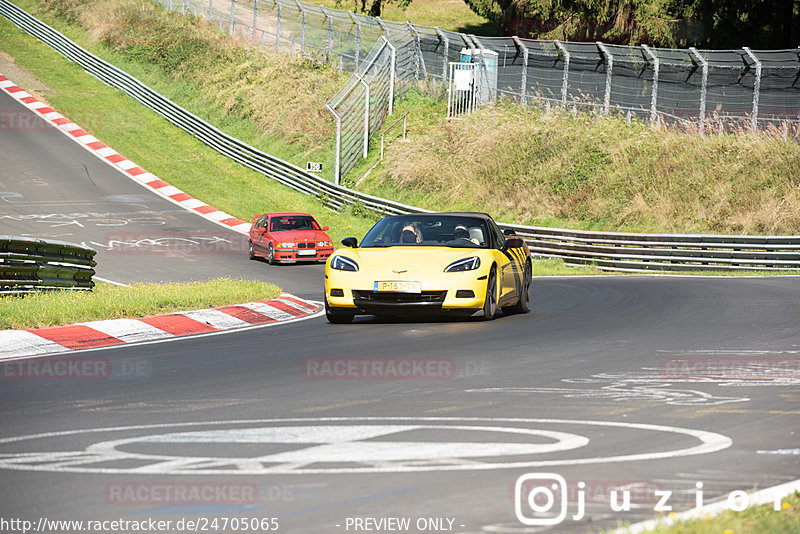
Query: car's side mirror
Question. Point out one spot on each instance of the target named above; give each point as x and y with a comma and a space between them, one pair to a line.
513, 242
508, 232
326, 228
261, 230
351, 242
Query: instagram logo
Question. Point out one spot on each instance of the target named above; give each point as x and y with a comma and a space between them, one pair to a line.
540, 492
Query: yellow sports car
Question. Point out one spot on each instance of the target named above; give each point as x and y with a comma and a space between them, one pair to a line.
458, 263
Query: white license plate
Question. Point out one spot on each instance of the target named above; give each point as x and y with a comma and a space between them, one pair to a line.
398, 286
306, 252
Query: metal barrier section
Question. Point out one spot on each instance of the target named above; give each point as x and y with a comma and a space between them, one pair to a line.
607, 250
28, 265
462, 93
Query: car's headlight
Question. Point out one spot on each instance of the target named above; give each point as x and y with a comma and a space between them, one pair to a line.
286, 245
340, 263
323, 243
467, 264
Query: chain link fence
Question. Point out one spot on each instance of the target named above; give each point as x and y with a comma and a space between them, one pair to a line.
700, 91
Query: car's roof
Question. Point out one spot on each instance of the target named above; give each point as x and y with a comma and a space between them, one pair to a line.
476, 214
287, 213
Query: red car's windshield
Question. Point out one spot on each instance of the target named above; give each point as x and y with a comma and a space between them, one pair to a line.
293, 222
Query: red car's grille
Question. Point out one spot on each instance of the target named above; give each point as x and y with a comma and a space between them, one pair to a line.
306, 245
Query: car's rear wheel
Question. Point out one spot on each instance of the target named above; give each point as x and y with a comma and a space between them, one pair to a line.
490, 302
251, 252
338, 317
271, 254
523, 305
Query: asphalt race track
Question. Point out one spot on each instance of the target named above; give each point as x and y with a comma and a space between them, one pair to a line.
337, 428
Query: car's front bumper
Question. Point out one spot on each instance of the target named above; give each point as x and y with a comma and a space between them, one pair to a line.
346, 291
297, 255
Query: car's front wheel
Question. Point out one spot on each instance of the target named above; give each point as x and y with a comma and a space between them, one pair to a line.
490, 302
271, 254
338, 317
251, 252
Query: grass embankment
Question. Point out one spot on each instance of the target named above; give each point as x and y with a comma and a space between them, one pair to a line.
108, 301
753, 520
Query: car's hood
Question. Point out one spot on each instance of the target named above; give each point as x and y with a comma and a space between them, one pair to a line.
407, 263
301, 235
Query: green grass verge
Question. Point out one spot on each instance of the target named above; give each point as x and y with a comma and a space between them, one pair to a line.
108, 301
753, 520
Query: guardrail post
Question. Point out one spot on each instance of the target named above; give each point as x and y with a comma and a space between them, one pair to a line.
337, 149
255, 18
565, 80
330, 33
654, 94
756, 87
358, 38
521, 45
609, 60
210, 10
278, 30
703, 84
233, 17
446, 54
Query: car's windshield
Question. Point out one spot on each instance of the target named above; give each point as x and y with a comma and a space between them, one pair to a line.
429, 230
293, 222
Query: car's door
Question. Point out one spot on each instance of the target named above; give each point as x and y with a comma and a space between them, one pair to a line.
260, 238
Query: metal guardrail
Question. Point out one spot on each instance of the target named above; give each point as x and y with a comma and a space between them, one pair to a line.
607, 250
618, 251
28, 264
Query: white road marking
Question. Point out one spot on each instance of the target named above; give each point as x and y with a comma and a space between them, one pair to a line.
215, 318
402, 455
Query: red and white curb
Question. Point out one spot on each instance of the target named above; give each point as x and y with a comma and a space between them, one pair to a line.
96, 334
120, 162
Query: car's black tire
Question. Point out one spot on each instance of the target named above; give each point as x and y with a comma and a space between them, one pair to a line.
338, 317
251, 251
523, 305
490, 302
271, 254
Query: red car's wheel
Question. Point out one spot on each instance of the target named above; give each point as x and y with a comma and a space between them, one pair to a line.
271, 254
251, 252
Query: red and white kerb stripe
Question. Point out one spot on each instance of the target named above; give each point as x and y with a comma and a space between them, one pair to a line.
129, 168
94, 334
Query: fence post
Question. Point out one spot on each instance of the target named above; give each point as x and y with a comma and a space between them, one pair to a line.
358, 38
278, 30
210, 10
446, 54
419, 61
393, 59
521, 45
255, 18
337, 145
366, 115
565, 81
756, 87
233, 15
654, 95
703, 84
609, 60
303, 26
330, 32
